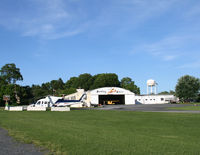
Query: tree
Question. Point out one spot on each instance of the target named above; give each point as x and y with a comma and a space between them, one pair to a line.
9, 90
84, 81
25, 94
128, 84
171, 92
57, 84
72, 83
187, 88
10, 73
67, 91
106, 80
39, 92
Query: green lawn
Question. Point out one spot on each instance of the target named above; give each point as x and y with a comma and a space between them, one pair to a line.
94, 132
192, 107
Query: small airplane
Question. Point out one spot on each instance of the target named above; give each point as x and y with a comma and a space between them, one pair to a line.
63, 103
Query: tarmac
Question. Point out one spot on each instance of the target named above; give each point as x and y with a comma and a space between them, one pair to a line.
148, 108
9, 146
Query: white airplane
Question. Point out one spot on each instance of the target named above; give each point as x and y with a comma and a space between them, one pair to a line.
63, 103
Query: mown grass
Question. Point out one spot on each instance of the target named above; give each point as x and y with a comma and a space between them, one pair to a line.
106, 132
192, 107
2, 108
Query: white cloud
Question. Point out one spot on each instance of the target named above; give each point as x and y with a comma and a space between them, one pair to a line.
45, 19
171, 47
169, 57
52, 18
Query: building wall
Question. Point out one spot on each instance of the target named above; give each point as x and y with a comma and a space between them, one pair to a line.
154, 99
92, 97
94, 94
76, 96
129, 99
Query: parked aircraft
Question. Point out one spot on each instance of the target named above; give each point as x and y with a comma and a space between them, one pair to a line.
48, 101
63, 103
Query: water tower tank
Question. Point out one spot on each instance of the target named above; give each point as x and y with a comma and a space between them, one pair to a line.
151, 82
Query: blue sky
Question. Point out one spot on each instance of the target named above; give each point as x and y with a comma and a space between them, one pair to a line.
141, 39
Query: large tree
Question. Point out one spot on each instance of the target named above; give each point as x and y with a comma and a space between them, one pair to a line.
10, 73
85, 81
128, 84
187, 88
105, 80
72, 83
57, 84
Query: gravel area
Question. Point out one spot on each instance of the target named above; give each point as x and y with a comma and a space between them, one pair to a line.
8, 146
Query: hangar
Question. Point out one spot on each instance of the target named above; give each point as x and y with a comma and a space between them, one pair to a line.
116, 95
111, 95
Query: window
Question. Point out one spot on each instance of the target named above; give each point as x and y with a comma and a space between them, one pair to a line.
162, 99
73, 97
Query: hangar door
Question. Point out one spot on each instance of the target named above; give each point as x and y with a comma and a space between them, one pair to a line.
111, 99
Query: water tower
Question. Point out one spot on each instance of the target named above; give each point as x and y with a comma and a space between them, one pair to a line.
152, 85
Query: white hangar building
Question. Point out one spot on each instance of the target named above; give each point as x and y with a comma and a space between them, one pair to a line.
116, 95
111, 95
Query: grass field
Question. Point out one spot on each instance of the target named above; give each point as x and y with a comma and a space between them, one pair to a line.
106, 132
192, 107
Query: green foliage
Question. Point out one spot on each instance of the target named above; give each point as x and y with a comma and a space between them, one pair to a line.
72, 83
187, 88
57, 84
171, 92
89, 132
128, 84
105, 80
84, 81
39, 92
66, 91
25, 94
10, 73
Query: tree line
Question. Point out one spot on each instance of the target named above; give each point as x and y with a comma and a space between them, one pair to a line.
10, 74
187, 88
